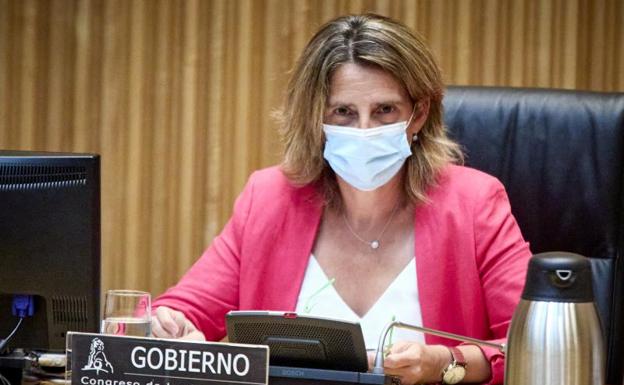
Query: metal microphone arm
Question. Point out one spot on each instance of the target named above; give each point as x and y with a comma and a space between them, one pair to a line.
379, 357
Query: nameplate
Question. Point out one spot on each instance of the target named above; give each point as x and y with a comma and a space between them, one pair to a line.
100, 359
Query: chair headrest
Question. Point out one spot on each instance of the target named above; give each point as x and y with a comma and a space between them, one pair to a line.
559, 153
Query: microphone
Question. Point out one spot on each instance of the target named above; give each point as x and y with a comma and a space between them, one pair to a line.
378, 368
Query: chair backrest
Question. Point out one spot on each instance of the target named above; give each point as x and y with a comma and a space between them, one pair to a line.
560, 155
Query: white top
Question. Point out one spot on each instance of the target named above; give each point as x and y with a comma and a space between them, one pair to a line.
399, 300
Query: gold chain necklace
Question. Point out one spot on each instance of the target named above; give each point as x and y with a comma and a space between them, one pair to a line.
374, 244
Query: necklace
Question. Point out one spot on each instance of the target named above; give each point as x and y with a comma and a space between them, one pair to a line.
374, 244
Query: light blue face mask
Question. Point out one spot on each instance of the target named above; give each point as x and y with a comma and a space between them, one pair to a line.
366, 158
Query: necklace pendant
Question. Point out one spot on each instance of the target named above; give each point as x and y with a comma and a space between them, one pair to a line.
374, 245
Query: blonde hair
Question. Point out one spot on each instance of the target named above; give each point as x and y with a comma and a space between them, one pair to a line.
367, 40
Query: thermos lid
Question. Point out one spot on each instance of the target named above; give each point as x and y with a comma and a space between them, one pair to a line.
559, 277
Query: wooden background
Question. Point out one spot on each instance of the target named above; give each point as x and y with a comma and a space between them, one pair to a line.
176, 95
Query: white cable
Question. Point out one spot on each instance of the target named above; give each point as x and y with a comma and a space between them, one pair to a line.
6, 340
3, 380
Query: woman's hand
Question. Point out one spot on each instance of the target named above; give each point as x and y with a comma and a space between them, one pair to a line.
169, 323
415, 363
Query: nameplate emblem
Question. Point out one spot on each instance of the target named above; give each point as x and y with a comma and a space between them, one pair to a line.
100, 359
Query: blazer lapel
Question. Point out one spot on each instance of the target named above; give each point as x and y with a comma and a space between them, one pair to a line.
280, 276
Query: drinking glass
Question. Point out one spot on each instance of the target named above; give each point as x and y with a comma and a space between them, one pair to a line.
127, 313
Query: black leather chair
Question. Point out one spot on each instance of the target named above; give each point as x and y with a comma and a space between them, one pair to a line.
560, 155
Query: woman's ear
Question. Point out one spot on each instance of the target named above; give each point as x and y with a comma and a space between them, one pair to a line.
421, 113
423, 109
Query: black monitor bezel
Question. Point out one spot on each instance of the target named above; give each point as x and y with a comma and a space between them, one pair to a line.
46, 330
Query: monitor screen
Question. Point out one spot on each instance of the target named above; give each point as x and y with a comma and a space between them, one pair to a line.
49, 245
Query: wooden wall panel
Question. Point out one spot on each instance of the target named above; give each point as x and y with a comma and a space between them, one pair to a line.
177, 95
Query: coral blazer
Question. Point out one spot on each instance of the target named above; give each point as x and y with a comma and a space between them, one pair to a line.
471, 259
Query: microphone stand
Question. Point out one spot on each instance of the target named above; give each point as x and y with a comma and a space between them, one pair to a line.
378, 368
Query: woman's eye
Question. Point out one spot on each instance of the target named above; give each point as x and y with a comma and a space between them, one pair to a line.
341, 111
386, 109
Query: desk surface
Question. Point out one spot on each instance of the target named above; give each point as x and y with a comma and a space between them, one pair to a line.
19, 372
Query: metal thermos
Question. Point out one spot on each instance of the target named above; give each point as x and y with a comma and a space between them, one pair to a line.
555, 336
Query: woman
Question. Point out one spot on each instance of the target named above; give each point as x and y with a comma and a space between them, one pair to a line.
369, 199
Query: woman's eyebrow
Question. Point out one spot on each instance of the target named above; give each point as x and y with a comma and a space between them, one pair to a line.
391, 102
338, 103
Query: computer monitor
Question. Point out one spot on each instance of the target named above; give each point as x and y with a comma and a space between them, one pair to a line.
49, 245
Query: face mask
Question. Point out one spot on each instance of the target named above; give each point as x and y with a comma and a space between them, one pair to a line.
366, 158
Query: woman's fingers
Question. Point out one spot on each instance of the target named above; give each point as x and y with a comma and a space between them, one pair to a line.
168, 323
403, 354
405, 361
194, 335
157, 329
190, 332
414, 363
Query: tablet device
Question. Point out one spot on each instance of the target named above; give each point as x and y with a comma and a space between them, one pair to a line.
301, 340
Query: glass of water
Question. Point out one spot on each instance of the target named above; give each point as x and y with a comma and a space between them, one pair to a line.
127, 313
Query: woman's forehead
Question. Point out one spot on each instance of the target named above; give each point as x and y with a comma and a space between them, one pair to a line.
354, 83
